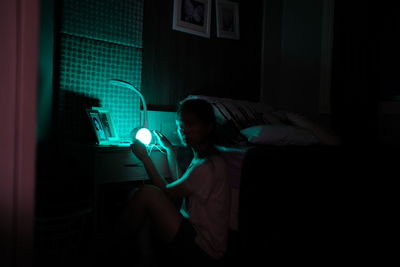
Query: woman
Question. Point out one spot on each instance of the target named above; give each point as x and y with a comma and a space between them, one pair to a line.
199, 229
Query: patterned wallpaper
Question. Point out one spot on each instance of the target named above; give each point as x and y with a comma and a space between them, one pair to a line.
100, 40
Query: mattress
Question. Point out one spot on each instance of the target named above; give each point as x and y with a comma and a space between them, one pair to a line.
234, 160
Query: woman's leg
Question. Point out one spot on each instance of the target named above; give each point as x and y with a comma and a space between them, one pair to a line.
150, 203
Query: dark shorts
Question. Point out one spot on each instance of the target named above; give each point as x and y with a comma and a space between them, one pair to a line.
187, 250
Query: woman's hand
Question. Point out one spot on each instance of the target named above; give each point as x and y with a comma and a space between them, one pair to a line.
163, 141
140, 151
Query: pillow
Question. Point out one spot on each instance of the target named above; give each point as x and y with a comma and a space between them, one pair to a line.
278, 135
243, 114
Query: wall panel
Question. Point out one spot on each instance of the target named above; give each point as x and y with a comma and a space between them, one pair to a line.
98, 41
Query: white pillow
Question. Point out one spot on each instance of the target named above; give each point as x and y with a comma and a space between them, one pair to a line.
278, 135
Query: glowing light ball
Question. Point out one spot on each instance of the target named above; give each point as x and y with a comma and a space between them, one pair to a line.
144, 135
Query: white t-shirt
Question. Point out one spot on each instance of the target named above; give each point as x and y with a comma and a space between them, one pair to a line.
208, 207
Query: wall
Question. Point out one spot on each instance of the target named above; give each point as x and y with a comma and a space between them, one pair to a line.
97, 41
272, 50
301, 56
294, 45
176, 64
82, 45
292, 48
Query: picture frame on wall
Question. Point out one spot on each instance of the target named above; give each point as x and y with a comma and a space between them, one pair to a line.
192, 16
227, 19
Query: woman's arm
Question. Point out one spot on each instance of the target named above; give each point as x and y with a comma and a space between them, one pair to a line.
171, 155
139, 149
174, 189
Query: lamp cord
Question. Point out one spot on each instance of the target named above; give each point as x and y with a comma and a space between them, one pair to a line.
150, 149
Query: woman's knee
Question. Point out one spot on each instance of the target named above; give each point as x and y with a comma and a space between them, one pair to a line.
150, 189
146, 192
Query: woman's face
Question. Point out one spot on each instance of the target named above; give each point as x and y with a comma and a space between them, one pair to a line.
191, 130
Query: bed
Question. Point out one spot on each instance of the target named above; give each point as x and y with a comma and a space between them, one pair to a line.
288, 195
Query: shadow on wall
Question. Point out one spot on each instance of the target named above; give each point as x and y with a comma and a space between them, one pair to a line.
61, 178
73, 124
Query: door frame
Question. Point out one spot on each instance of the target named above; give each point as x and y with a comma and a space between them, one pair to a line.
19, 28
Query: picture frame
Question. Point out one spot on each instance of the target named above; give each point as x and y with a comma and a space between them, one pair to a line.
192, 16
227, 19
103, 125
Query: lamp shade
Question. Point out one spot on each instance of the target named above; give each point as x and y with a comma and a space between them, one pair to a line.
143, 135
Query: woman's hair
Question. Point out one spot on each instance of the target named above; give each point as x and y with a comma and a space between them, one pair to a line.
203, 111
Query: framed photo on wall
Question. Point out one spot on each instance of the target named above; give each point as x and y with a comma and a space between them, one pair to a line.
192, 16
227, 19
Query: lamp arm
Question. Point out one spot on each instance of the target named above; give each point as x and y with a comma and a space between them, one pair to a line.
145, 123
130, 86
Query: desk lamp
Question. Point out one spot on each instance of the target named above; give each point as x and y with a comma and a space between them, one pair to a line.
141, 133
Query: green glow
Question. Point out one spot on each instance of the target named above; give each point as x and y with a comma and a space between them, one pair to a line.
45, 74
144, 135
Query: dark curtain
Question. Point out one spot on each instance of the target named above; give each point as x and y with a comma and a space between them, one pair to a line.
365, 62
355, 71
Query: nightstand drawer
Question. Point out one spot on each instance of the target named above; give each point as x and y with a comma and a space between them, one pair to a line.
118, 166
